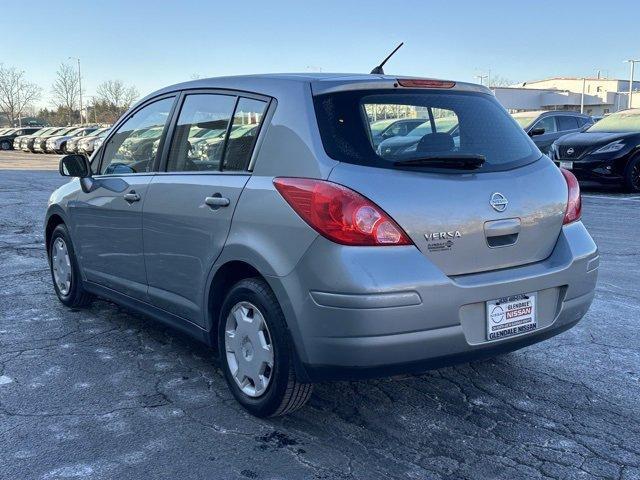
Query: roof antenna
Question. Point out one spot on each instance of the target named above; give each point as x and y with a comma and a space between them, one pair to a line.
378, 70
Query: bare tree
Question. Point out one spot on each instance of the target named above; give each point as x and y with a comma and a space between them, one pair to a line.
65, 91
500, 81
117, 94
16, 93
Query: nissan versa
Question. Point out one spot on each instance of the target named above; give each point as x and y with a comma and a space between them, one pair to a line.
303, 255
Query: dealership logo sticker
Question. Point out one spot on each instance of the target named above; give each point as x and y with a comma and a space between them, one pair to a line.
499, 202
441, 241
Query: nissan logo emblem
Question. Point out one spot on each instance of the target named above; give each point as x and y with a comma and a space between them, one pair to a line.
498, 202
570, 151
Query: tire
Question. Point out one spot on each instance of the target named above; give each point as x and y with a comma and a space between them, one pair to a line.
5, 145
632, 175
72, 295
283, 394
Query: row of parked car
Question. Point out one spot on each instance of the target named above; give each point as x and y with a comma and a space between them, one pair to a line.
83, 139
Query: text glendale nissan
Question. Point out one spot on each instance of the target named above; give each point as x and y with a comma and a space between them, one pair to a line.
257, 214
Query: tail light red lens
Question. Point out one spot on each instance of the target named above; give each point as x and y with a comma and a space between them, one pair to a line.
425, 83
574, 203
340, 214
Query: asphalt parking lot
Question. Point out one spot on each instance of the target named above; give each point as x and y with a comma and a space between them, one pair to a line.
106, 393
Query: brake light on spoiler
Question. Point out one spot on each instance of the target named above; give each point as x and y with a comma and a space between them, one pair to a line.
425, 83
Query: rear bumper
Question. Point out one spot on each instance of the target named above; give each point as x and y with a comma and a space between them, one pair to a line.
371, 312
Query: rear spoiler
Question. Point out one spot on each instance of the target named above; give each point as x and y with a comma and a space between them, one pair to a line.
382, 82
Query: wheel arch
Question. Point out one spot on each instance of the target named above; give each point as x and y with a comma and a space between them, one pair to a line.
54, 218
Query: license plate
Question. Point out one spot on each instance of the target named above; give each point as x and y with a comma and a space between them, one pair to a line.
511, 316
567, 165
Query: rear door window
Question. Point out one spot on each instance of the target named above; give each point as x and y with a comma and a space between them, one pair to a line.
451, 123
200, 134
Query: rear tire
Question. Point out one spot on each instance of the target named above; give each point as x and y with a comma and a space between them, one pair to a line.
632, 175
65, 272
252, 299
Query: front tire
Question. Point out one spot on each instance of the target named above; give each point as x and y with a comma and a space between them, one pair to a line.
65, 271
632, 175
256, 351
5, 145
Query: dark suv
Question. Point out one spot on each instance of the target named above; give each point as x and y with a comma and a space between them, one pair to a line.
544, 128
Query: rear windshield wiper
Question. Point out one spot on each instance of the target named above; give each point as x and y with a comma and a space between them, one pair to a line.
461, 161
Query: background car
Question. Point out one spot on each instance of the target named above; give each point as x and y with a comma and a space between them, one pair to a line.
607, 152
72, 143
39, 143
58, 143
407, 143
6, 139
26, 142
545, 127
384, 129
18, 142
90, 143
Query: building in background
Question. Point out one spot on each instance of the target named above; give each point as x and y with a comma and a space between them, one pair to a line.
601, 95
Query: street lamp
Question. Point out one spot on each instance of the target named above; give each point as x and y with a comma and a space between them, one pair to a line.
79, 85
633, 64
481, 78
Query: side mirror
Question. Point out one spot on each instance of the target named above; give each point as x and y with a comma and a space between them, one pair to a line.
534, 132
75, 166
78, 166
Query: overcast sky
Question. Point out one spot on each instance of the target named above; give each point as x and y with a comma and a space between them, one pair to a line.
151, 44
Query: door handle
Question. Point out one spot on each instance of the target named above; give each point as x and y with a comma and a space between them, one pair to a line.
131, 197
216, 201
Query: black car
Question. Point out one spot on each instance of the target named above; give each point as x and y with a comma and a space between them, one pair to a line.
545, 127
607, 152
6, 139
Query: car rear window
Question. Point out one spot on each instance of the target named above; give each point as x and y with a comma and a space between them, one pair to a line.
451, 122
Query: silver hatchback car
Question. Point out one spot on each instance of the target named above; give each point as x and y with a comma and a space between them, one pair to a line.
301, 253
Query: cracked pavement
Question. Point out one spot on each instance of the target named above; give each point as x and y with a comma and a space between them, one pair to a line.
106, 393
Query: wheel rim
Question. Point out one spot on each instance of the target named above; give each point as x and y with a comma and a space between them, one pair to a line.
4, 145
249, 349
61, 264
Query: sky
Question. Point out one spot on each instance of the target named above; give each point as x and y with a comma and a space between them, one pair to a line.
152, 44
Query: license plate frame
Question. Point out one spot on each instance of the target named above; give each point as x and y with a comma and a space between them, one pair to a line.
511, 316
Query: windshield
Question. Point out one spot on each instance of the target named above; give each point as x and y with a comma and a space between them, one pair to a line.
460, 124
621, 122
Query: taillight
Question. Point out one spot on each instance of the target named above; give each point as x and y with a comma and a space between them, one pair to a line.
340, 214
574, 202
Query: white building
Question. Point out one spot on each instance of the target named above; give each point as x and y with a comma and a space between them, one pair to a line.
601, 95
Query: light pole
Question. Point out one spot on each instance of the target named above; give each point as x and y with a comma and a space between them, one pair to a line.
633, 64
481, 78
79, 86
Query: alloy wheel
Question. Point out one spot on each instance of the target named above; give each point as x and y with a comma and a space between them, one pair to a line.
249, 349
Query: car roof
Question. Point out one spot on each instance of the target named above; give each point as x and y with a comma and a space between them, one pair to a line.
540, 113
276, 84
